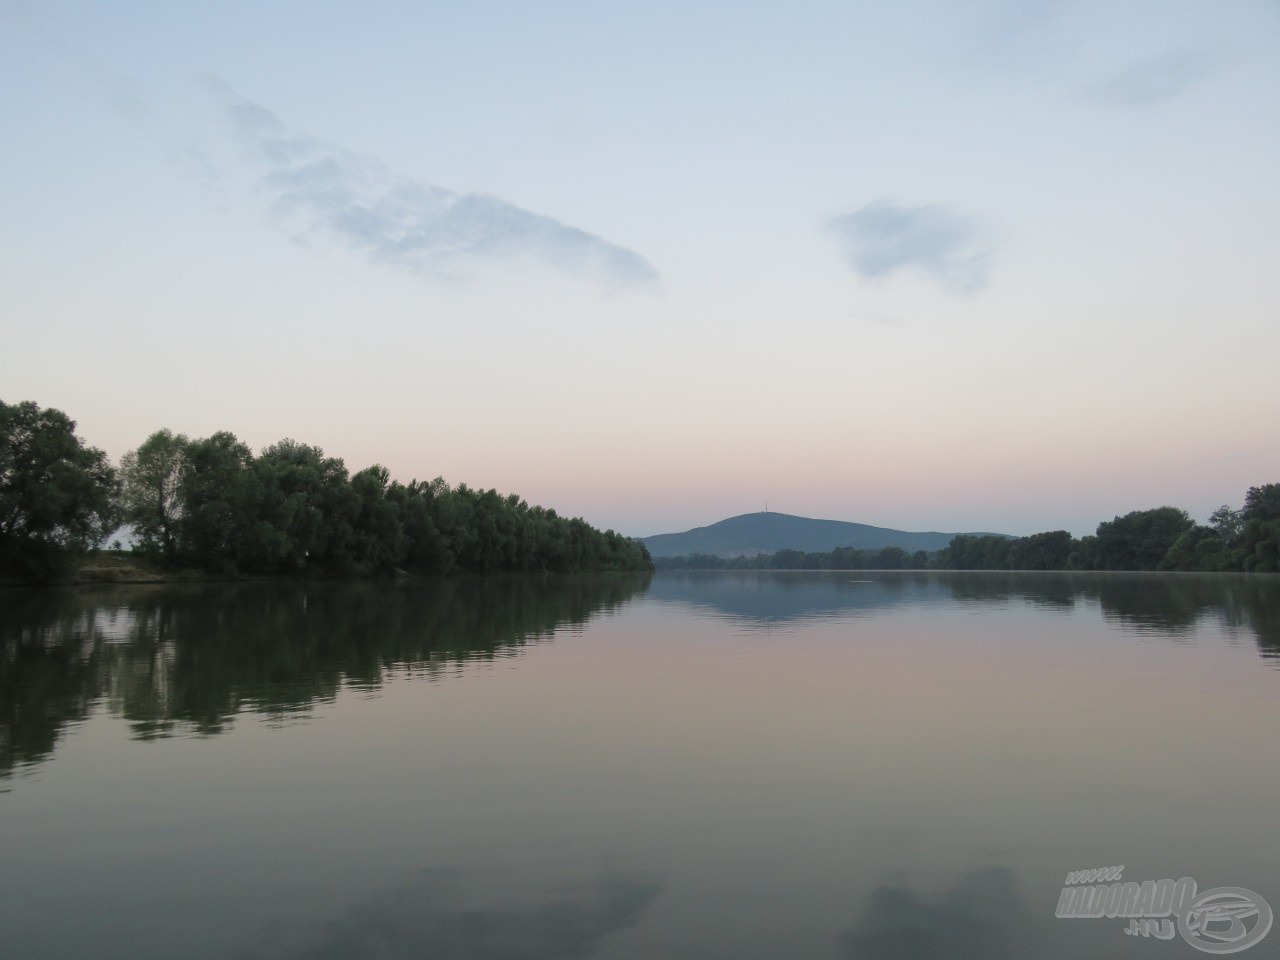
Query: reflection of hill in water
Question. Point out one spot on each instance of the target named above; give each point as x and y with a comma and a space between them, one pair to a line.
1163, 603
172, 656
764, 597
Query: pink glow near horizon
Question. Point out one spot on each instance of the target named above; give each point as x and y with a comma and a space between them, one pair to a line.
1024, 283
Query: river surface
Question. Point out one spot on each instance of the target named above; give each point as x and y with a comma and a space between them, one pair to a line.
837, 765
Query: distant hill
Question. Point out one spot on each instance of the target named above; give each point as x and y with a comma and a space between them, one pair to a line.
754, 533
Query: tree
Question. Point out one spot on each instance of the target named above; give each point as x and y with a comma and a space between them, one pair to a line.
304, 509
150, 490
56, 494
1042, 551
1085, 554
990, 552
1200, 548
891, 558
1262, 503
1227, 523
1260, 537
1140, 540
380, 542
219, 503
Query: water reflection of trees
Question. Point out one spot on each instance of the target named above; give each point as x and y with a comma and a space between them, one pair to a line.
1164, 603
194, 656
1158, 603
45, 684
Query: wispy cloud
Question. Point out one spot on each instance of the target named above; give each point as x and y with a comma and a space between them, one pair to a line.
883, 238
1014, 36
35, 24
1151, 80
401, 221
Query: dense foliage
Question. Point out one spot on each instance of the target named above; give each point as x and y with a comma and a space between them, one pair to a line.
211, 504
56, 494
1165, 538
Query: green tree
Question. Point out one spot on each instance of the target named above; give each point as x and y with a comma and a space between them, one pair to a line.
1260, 537
1085, 554
975, 553
56, 494
1042, 551
1200, 548
219, 503
150, 491
1262, 503
891, 558
425, 549
1140, 540
380, 542
304, 512
1226, 523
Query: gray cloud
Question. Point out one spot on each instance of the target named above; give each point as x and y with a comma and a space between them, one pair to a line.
1151, 80
403, 222
883, 238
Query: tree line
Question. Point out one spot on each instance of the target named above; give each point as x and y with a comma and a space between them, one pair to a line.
212, 504
1165, 538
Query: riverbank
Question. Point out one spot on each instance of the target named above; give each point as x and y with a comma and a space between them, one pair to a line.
105, 567
120, 567
110, 567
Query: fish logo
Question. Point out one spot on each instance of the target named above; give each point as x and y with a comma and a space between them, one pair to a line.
1215, 920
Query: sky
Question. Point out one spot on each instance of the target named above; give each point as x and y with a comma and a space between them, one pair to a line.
1002, 265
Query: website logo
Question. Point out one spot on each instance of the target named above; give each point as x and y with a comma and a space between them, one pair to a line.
1221, 920
1225, 920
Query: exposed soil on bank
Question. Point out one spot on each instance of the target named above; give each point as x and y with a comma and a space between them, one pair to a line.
111, 567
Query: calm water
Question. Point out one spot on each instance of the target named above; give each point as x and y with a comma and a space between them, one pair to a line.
845, 765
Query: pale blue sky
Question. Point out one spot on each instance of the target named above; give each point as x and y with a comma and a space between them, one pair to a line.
1004, 265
